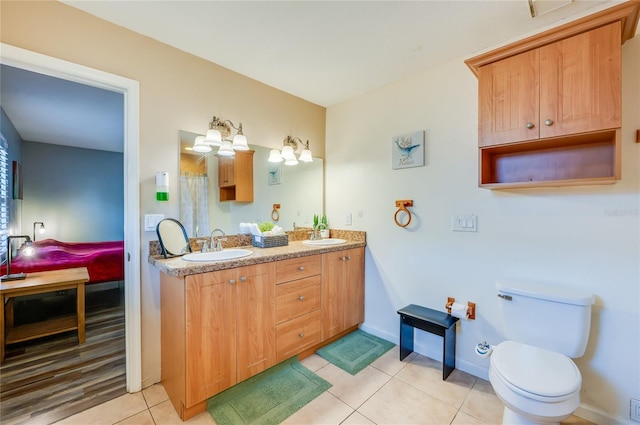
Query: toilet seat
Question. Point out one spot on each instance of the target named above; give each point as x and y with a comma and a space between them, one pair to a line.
536, 373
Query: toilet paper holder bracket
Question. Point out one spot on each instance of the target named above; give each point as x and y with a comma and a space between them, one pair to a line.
471, 308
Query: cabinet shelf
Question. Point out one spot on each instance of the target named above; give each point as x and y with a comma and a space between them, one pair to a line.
591, 158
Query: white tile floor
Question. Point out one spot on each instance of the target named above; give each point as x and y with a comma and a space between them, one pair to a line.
387, 392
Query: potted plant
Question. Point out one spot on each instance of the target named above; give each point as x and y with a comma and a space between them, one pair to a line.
324, 227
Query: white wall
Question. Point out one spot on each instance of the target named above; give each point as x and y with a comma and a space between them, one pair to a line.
583, 237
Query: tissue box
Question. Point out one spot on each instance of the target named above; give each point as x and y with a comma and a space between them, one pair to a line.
269, 241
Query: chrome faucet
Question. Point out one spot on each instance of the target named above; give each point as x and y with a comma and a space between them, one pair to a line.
215, 240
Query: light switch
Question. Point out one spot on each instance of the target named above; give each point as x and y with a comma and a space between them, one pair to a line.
464, 223
151, 221
347, 219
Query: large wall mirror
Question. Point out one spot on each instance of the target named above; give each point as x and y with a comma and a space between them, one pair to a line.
299, 189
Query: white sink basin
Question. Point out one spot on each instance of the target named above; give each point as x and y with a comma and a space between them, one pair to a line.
225, 254
330, 241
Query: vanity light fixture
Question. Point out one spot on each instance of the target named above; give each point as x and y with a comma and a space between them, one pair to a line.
199, 145
288, 152
27, 250
219, 131
38, 225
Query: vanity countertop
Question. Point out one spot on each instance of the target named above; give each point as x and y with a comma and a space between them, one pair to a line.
178, 267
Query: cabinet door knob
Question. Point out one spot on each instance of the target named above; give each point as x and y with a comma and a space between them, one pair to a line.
301, 268
548, 122
243, 279
232, 281
301, 335
348, 257
301, 298
530, 125
343, 258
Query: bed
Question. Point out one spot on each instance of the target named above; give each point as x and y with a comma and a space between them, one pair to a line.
103, 260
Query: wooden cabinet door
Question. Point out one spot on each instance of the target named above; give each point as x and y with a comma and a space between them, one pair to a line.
226, 174
243, 178
332, 294
256, 313
210, 335
580, 83
508, 97
354, 287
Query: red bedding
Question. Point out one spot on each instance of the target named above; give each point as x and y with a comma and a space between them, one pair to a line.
103, 260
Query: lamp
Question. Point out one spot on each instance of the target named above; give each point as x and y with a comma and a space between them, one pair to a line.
200, 145
27, 251
40, 228
288, 152
219, 131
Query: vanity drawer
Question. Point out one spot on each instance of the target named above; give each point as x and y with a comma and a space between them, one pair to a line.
297, 335
297, 268
296, 298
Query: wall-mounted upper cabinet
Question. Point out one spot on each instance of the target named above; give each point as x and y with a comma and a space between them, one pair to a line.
568, 87
235, 177
550, 105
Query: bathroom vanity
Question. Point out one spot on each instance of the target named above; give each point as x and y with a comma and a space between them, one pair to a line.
225, 321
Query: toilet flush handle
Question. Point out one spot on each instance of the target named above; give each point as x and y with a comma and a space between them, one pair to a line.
505, 297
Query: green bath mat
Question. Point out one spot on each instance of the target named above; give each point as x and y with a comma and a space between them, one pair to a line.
355, 351
269, 397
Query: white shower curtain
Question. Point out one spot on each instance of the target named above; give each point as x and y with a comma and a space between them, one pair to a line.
194, 204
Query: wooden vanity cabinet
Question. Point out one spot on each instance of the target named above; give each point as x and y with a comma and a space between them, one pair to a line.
550, 105
298, 302
342, 290
218, 329
235, 177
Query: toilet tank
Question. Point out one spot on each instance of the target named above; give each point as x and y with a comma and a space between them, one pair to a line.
545, 316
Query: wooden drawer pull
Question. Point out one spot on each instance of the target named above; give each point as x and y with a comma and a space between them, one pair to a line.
301, 335
301, 298
301, 268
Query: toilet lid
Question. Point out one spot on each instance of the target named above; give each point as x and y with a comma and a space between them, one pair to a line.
536, 370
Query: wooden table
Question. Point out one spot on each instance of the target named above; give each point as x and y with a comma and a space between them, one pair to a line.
38, 283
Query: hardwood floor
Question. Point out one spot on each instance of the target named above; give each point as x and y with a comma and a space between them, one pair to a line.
46, 380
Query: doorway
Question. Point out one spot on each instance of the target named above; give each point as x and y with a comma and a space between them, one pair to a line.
31, 61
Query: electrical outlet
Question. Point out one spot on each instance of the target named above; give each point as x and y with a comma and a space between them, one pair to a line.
635, 410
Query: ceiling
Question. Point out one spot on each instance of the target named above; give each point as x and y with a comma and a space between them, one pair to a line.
325, 52
45, 109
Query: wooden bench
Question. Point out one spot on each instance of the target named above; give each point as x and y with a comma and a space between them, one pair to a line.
432, 321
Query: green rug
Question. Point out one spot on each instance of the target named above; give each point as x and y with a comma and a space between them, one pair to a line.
355, 351
269, 397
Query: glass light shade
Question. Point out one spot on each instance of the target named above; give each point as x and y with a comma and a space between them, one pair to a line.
274, 156
240, 142
226, 149
305, 156
287, 153
28, 250
214, 137
291, 161
199, 145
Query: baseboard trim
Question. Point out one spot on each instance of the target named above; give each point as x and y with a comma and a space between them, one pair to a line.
600, 417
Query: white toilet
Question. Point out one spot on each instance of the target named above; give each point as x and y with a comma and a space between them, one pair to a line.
532, 372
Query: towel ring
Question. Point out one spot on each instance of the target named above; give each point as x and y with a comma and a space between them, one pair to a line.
402, 207
275, 214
